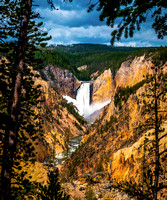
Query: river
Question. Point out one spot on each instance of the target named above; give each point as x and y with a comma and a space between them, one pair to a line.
60, 157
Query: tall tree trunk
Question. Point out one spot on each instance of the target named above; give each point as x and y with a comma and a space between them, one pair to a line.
156, 173
12, 135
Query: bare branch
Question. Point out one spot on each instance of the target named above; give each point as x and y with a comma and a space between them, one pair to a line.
162, 137
162, 152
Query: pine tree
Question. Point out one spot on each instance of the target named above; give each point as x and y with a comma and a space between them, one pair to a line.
131, 15
20, 38
154, 155
53, 189
155, 95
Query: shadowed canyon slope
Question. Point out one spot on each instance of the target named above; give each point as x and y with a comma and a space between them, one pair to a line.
59, 120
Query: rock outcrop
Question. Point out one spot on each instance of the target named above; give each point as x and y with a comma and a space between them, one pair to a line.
103, 87
94, 75
132, 72
82, 68
63, 81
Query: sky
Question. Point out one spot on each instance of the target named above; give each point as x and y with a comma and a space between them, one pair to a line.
70, 23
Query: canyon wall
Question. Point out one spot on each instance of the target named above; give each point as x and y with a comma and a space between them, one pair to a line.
117, 136
62, 80
58, 121
103, 87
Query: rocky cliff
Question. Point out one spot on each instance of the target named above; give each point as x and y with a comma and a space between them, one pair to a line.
103, 87
59, 122
130, 73
62, 80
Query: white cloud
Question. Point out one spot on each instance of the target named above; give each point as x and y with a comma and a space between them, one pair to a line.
128, 44
78, 26
62, 15
70, 17
133, 44
69, 34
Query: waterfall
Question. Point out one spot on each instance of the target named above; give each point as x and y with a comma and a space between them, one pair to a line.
82, 102
83, 99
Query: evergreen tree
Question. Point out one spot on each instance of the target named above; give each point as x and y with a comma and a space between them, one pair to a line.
20, 38
153, 167
53, 189
154, 97
130, 15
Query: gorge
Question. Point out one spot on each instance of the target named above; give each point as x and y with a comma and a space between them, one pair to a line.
112, 136
112, 103
113, 143
81, 120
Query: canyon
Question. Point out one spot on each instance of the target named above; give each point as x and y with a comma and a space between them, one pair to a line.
114, 141
112, 132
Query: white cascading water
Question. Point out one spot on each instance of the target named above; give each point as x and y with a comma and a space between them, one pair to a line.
82, 101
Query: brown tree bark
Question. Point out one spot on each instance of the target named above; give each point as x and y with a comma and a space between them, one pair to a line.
157, 159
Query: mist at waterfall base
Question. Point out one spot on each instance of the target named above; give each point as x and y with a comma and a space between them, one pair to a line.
82, 102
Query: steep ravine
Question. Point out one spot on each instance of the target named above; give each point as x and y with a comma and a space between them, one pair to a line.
112, 143
59, 122
115, 140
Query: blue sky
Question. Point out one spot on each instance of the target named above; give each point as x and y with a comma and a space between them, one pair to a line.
72, 24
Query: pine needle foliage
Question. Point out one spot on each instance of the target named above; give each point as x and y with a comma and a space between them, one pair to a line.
20, 125
53, 189
125, 17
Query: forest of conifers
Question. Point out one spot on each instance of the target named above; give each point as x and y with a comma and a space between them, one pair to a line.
97, 57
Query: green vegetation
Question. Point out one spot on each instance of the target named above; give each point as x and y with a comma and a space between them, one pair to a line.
72, 110
97, 57
53, 189
153, 98
53, 57
21, 127
123, 94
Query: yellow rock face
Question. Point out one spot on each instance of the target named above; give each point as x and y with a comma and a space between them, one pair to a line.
126, 162
57, 123
103, 87
131, 72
